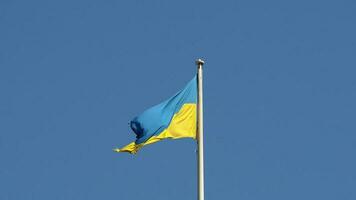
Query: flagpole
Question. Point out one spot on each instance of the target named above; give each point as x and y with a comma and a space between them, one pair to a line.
200, 139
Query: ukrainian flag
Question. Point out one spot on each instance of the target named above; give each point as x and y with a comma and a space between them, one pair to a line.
172, 119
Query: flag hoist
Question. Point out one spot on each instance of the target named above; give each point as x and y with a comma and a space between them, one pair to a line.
200, 138
181, 116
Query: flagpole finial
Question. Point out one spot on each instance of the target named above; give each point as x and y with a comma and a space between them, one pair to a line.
199, 62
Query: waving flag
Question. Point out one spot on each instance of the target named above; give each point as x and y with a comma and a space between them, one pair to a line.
172, 119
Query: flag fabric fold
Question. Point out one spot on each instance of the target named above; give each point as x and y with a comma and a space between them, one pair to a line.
172, 119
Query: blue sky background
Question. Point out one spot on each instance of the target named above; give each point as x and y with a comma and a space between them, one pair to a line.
280, 93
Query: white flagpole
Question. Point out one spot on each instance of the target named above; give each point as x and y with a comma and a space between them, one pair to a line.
200, 140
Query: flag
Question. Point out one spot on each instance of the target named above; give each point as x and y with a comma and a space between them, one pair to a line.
172, 119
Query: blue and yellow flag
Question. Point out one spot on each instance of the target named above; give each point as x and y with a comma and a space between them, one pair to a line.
172, 119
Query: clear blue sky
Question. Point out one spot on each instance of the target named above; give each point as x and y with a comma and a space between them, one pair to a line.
280, 93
